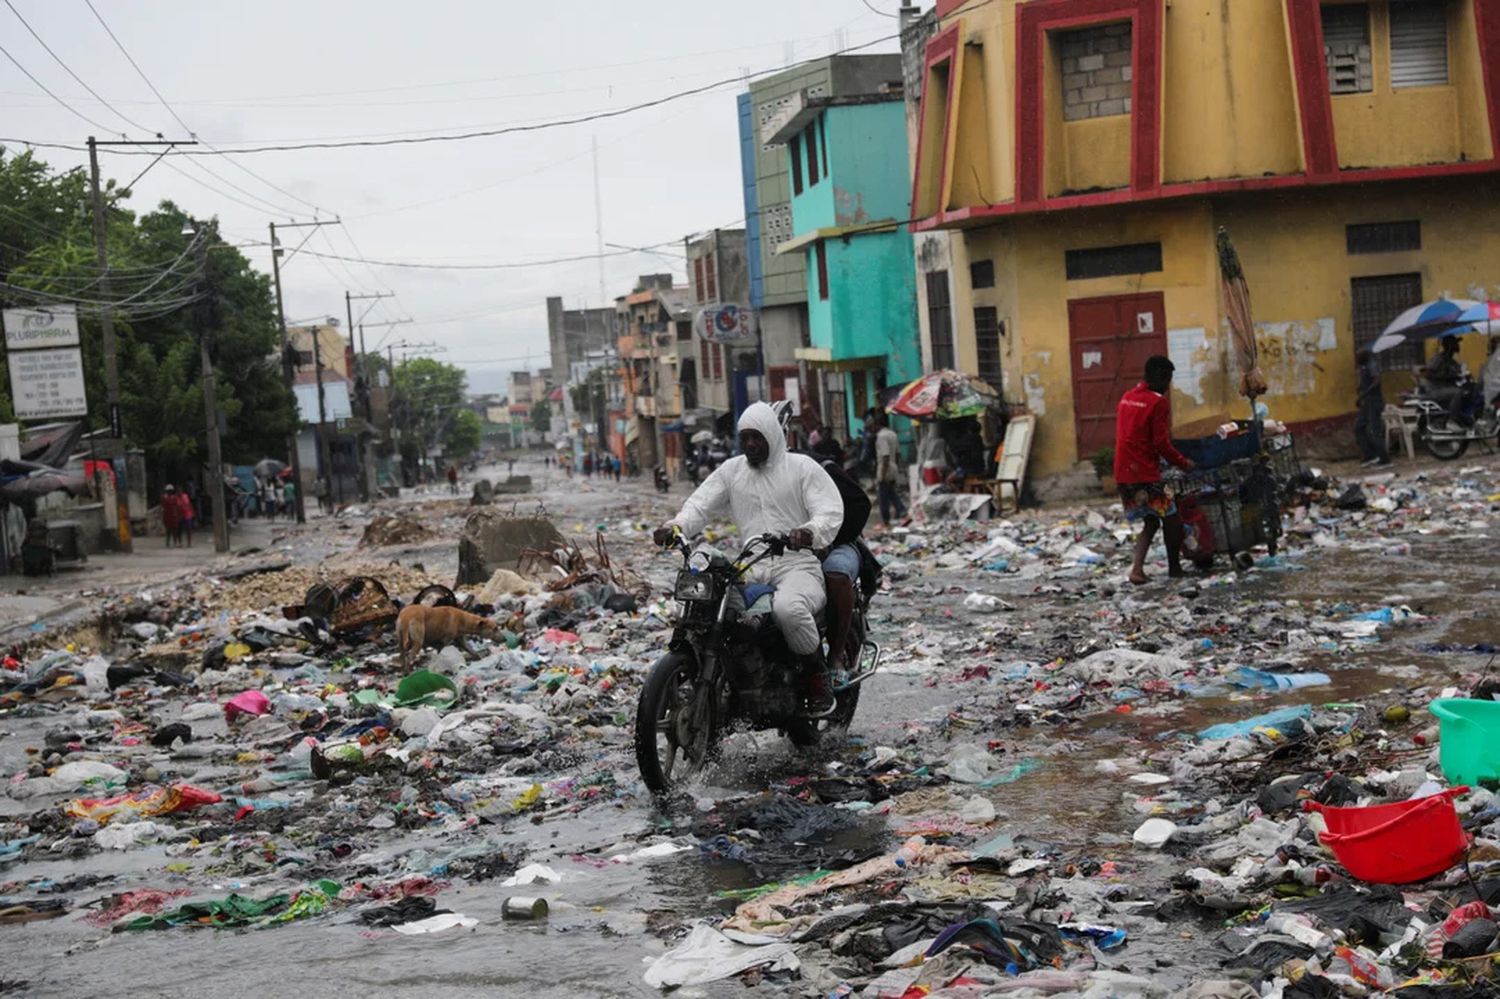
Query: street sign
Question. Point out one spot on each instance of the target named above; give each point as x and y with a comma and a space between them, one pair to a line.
32, 329
726, 323
47, 384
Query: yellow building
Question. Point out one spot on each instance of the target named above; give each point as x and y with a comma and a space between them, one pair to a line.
1083, 154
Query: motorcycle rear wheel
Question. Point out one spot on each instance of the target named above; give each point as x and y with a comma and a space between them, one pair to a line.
674, 732
1443, 449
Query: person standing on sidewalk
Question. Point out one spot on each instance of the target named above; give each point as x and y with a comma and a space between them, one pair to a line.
887, 467
1143, 439
170, 512
185, 517
1369, 424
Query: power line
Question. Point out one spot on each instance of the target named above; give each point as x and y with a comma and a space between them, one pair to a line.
737, 80
43, 87
509, 265
876, 10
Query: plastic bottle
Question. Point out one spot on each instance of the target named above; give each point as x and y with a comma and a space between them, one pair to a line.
1365, 970
1299, 929
910, 851
1427, 737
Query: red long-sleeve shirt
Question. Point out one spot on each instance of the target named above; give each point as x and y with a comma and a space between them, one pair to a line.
1143, 436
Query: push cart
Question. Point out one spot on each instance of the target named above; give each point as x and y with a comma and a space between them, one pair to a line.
1231, 501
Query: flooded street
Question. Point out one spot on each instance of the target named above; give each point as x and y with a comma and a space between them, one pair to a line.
1056, 748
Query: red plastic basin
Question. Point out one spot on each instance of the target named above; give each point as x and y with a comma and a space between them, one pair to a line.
1399, 843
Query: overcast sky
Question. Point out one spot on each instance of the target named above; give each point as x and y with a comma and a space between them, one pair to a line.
276, 71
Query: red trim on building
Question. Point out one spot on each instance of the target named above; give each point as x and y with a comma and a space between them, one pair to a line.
1033, 21
940, 48
1310, 75
1487, 27
946, 7
981, 213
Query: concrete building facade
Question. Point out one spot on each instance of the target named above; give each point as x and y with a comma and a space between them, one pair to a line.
1083, 154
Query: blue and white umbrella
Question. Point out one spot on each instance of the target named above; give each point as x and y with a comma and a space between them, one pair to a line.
1481, 317
1437, 318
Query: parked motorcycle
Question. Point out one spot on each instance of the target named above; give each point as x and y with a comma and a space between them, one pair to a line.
1446, 438
727, 663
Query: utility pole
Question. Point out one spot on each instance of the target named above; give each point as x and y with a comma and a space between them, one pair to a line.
107, 330
599, 226
203, 314
288, 369
325, 456
360, 377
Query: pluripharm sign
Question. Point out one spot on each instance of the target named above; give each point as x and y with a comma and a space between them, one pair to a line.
34, 329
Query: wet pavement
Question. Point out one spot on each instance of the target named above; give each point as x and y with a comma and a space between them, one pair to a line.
954, 680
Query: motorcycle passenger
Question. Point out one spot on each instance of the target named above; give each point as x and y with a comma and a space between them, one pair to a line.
766, 489
1444, 377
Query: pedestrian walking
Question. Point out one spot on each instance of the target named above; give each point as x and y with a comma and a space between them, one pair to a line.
288, 498
1369, 423
453, 479
887, 467
615, 466
186, 516
170, 512
1143, 439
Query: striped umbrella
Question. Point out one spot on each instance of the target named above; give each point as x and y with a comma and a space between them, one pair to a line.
1481, 317
1419, 322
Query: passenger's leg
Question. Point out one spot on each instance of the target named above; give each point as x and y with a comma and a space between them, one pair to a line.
799, 597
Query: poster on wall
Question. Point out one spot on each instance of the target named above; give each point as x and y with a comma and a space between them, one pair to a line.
727, 323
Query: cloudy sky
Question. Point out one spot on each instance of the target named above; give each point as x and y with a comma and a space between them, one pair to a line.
277, 72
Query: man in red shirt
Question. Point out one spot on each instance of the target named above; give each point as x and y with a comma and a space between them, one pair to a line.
1143, 438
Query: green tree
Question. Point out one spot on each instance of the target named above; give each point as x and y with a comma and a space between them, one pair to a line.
541, 416
464, 433
429, 393
46, 250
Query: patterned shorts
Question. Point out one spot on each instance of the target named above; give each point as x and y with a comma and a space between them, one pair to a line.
1147, 499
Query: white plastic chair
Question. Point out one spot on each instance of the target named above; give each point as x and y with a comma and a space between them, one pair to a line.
1404, 423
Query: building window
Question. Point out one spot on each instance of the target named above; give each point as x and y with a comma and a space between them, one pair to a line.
821, 253
1419, 44
982, 274
988, 332
684, 333
1346, 46
1374, 302
823, 141
711, 282
1096, 71
718, 358
812, 156
940, 320
1383, 237
1107, 261
698, 280
703, 361
794, 150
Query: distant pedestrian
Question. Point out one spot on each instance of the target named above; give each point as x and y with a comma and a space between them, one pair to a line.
186, 515
170, 514
616, 466
288, 498
320, 493
453, 479
588, 466
1369, 423
887, 467
510, 466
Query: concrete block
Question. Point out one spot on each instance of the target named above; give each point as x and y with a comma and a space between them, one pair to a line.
1105, 45
1094, 93
1126, 74
1090, 62
1127, 105
1072, 50
1077, 112
1105, 77
1121, 58
1075, 81
1072, 97
1118, 90
1105, 108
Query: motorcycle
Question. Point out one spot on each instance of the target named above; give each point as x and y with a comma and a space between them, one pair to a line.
1445, 438
728, 663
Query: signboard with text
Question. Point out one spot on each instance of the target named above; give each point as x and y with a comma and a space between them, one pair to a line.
30, 329
47, 384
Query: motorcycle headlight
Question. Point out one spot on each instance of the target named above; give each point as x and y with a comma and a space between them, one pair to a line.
698, 562
693, 586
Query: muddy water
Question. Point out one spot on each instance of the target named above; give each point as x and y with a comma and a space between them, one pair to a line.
595, 940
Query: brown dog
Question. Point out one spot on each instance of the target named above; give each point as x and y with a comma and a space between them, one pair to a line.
420, 626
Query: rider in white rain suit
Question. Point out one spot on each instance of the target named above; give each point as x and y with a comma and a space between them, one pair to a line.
783, 493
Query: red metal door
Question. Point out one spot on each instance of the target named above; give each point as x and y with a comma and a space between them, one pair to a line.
1109, 341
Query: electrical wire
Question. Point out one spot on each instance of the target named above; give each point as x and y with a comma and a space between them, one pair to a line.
876, 10
539, 126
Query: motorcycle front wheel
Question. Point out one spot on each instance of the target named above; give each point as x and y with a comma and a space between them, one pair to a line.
676, 723
1441, 448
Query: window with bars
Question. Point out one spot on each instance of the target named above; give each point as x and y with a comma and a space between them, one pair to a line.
711, 293
1346, 47
1383, 237
988, 332
1419, 44
1374, 302
940, 320
698, 280
703, 360
718, 358
1108, 261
